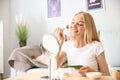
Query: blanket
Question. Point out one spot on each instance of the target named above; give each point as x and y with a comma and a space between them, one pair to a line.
22, 58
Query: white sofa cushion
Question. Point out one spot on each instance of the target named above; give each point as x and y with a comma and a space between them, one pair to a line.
38, 70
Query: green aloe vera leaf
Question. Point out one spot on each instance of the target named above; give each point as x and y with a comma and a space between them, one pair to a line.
75, 66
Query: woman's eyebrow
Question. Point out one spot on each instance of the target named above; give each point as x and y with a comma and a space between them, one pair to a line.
78, 21
81, 22
73, 20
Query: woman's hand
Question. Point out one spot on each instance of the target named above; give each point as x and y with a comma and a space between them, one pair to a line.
85, 69
59, 35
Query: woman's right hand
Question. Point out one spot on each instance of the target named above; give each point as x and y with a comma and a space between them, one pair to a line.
85, 69
59, 35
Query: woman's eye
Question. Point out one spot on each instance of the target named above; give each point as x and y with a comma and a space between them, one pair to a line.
72, 22
80, 24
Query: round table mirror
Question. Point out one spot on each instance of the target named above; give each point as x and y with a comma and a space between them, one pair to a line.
51, 44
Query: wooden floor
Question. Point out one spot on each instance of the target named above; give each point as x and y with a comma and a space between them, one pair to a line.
1, 76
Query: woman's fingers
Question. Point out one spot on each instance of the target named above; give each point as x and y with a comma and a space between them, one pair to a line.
59, 35
83, 70
58, 30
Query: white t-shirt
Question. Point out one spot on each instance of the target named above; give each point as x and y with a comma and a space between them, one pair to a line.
85, 56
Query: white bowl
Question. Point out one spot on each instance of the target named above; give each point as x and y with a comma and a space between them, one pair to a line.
93, 74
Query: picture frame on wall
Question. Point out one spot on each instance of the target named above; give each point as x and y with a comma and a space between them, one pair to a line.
95, 5
53, 8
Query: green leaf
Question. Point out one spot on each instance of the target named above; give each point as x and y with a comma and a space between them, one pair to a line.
22, 32
75, 66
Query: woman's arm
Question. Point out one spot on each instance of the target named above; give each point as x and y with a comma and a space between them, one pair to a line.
59, 58
103, 67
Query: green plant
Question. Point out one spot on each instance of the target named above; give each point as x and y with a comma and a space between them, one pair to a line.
22, 34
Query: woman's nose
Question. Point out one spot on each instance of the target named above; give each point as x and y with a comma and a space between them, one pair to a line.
73, 26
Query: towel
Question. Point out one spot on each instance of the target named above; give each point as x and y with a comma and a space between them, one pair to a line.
23, 58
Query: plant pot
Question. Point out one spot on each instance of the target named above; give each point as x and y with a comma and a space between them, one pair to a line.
22, 43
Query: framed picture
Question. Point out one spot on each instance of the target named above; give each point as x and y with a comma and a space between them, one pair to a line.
95, 5
53, 8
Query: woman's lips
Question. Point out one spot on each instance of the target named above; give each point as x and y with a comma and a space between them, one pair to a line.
74, 31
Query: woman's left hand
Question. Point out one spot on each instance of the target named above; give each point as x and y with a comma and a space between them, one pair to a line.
85, 69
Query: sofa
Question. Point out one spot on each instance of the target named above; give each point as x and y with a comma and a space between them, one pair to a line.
34, 57
22, 59
111, 44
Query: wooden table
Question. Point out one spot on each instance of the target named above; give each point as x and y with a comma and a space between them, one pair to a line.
116, 74
78, 77
37, 75
29, 76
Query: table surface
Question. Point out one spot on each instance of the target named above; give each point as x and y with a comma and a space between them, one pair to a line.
37, 75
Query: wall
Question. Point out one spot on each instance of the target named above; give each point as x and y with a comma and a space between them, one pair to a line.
31, 12
35, 14
4, 16
110, 39
108, 19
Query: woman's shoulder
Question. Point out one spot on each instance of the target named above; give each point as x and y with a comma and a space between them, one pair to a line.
96, 44
98, 47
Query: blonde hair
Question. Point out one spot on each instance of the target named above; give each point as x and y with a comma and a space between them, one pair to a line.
90, 28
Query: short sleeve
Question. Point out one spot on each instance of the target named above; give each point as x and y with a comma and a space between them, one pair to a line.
99, 48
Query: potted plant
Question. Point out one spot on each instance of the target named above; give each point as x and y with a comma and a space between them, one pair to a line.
22, 33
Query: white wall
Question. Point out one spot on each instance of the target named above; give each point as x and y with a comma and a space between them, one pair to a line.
108, 19
31, 11
4, 16
35, 13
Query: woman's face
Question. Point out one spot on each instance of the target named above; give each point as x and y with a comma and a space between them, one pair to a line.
77, 26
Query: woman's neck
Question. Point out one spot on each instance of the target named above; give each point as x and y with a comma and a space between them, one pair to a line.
79, 42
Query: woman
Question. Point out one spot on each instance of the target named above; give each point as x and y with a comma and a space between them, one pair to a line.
84, 47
